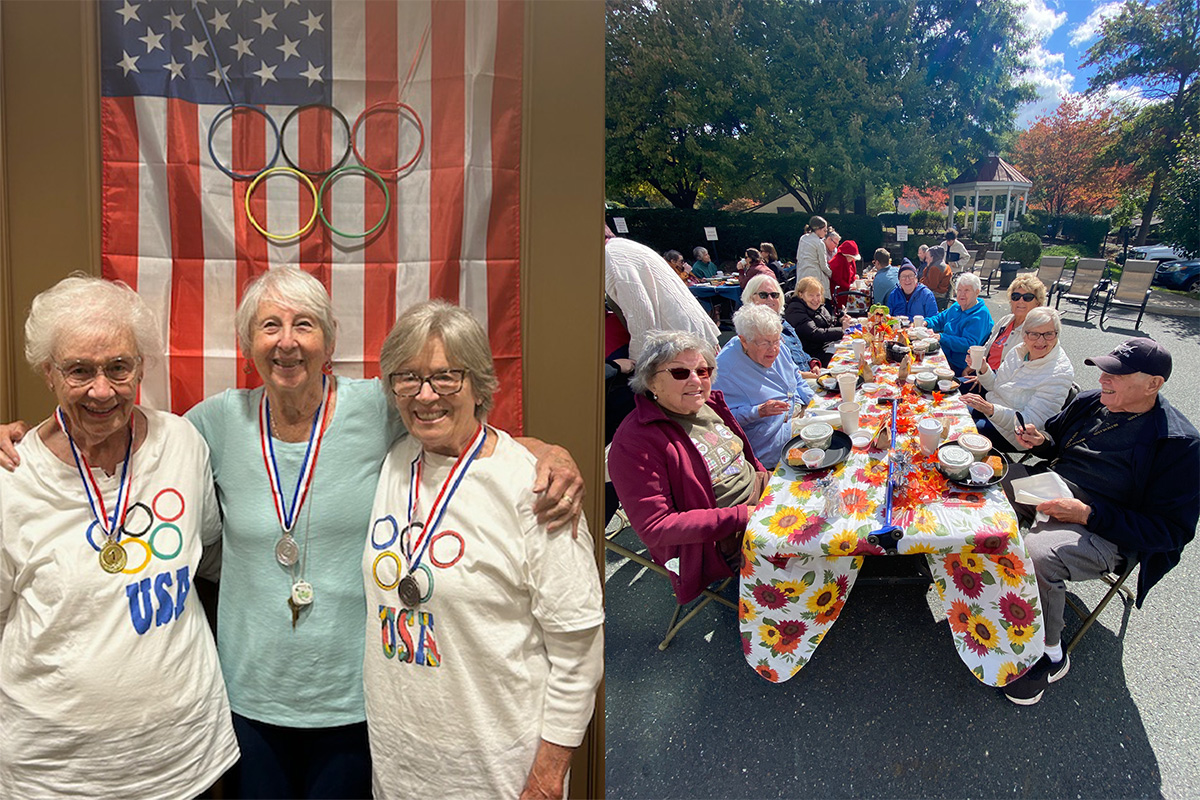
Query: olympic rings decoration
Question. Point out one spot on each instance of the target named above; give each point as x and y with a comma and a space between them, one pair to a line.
149, 523
387, 200
387, 587
165, 556
283, 138
91, 541
132, 570
398, 107
158, 512
462, 548
282, 237
395, 532
428, 574
229, 109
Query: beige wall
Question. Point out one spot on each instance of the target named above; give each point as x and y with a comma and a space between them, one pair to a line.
49, 219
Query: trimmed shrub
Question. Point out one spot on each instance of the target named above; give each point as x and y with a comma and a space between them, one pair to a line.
890, 219
1022, 246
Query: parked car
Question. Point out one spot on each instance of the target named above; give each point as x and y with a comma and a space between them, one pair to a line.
1180, 274
1157, 252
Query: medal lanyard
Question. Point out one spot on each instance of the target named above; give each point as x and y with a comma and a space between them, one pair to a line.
95, 497
287, 516
457, 472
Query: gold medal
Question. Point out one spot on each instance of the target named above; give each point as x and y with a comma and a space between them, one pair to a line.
113, 557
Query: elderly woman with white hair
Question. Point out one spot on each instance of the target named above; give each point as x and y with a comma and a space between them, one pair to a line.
109, 680
1033, 380
483, 628
761, 384
683, 467
965, 324
764, 290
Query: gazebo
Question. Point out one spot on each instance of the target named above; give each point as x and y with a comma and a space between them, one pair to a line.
990, 177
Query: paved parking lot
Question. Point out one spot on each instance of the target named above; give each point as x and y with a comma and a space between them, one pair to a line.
886, 709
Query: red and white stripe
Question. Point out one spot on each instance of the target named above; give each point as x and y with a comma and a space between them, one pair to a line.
174, 226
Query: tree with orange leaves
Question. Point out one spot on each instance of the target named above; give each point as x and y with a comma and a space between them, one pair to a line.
1064, 155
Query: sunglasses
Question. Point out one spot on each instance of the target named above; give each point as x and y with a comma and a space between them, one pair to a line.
769, 295
1028, 297
682, 373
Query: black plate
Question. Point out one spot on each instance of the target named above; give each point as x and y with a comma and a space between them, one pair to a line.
835, 389
1004, 464
837, 452
957, 386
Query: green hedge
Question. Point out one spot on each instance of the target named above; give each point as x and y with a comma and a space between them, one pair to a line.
1022, 246
1082, 229
671, 228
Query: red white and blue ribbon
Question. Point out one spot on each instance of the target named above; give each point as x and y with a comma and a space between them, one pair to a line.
442, 502
110, 525
287, 515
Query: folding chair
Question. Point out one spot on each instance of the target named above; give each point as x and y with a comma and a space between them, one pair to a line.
990, 268
1117, 584
707, 596
1049, 272
1133, 290
1086, 284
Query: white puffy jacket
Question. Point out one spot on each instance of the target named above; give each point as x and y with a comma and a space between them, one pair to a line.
1035, 388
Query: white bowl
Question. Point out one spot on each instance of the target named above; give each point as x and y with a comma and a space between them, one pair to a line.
946, 386
955, 462
870, 387
944, 373
927, 380
827, 382
860, 441
813, 457
817, 434
981, 472
977, 445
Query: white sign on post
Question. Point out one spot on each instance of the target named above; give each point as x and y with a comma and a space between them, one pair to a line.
710, 234
619, 222
901, 233
998, 229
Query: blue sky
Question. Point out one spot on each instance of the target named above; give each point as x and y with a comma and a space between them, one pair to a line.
1064, 29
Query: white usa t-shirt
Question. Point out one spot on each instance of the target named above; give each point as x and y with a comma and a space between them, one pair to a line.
455, 687
109, 683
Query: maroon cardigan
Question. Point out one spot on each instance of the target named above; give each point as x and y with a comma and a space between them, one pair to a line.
666, 490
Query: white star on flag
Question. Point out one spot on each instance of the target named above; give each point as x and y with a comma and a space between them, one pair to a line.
129, 12
128, 63
313, 74
265, 21
288, 48
266, 72
197, 48
152, 40
175, 67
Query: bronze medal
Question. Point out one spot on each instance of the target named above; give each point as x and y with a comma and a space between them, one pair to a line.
410, 592
113, 557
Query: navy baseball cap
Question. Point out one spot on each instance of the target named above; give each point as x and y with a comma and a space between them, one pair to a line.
1136, 355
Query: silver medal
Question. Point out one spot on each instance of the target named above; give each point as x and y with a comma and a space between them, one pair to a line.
287, 552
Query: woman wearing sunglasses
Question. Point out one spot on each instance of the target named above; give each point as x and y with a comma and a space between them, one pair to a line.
1025, 293
682, 466
1030, 386
763, 290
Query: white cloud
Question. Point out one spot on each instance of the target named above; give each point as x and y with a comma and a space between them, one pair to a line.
1047, 71
1041, 19
1089, 29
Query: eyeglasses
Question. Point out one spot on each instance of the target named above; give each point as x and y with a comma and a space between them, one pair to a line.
769, 295
408, 384
118, 372
683, 373
1045, 337
1028, 297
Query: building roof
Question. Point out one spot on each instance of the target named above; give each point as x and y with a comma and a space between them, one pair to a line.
992, 169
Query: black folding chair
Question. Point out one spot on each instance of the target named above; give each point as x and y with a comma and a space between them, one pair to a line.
1116, 584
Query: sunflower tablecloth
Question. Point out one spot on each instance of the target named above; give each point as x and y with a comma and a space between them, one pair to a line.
806, 540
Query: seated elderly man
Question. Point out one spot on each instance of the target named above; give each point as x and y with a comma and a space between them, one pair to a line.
1132, 462
761, 383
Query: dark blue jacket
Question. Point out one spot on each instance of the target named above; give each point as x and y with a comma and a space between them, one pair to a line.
1166, 477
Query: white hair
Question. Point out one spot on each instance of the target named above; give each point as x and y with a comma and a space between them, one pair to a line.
84, 305
751, 321
292, 288
1042, 315
660, 347
970, 280
755, 285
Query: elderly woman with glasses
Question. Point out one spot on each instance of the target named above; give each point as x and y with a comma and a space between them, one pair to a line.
964, 324
764, 290
761, 384
1025, 293
483, 628
109, 680
1030, 386
682, 465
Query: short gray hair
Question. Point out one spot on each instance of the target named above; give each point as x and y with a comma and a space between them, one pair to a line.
82, 304
699, 251
755, 284
662, 346
1040, 316
292, 288
971, 280
463, 338
751, 321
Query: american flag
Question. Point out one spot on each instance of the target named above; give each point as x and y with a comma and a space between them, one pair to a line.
174, 226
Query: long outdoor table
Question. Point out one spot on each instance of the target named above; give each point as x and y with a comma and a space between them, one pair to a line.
705, 292
807, 539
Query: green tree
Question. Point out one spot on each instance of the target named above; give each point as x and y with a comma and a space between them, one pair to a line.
1156, 50
1181, 199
